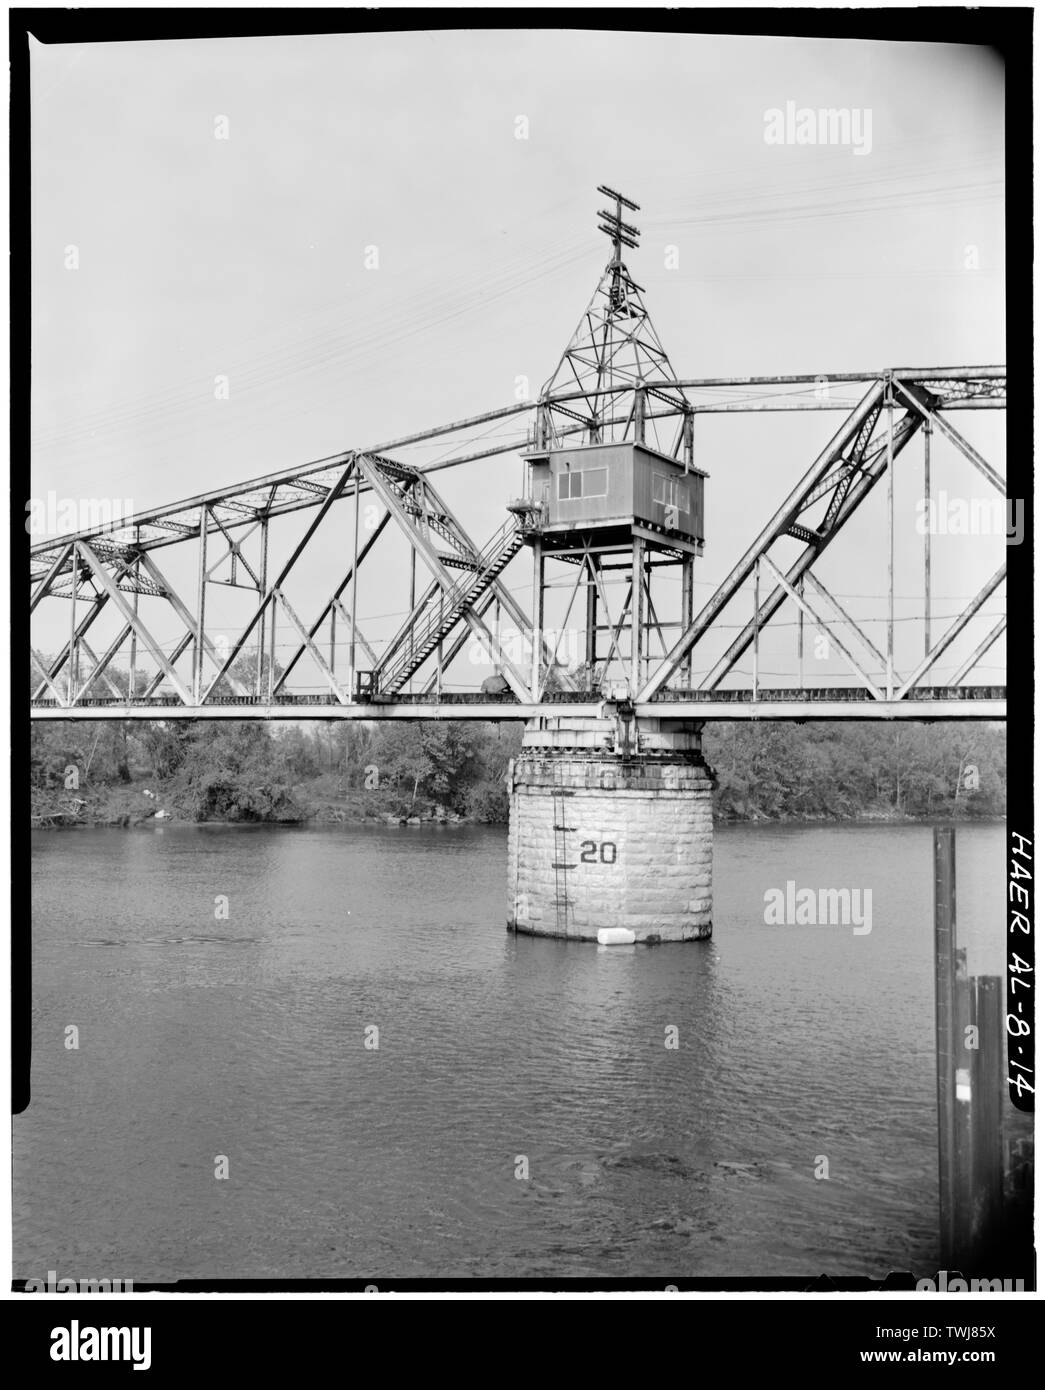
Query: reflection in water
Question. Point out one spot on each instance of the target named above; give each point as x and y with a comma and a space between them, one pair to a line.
495, 1055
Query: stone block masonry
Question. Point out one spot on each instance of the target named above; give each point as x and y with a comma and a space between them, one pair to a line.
610, 832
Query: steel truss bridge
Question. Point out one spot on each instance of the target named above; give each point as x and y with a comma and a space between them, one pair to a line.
116, 567
614, 382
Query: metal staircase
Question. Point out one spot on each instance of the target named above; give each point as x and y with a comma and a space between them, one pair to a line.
445, 607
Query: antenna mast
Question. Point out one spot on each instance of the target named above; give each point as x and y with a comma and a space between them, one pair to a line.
621, 233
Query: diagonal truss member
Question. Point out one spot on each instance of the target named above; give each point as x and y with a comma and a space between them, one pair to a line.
814, 512
465, 579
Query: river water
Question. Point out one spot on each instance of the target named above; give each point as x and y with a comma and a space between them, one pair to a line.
496, 1055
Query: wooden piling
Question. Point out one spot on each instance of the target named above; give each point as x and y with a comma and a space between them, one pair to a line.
963, 1194
969, 1085
988, 1084
945, 950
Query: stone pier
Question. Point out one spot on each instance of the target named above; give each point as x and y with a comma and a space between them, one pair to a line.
610, 826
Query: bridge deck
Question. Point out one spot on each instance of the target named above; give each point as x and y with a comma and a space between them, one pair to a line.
827, 702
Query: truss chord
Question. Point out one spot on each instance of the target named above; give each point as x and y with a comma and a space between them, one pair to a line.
613, 384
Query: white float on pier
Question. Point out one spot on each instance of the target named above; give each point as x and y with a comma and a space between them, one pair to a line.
615, 936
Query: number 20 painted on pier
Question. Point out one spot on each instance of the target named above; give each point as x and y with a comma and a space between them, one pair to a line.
607, 852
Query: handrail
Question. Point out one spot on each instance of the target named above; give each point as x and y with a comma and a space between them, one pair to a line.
455, 598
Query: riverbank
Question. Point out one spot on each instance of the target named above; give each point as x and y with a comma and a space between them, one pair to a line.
135, 805
126, 806
453, 772
871, 816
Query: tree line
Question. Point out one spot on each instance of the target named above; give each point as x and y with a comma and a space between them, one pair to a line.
247, 770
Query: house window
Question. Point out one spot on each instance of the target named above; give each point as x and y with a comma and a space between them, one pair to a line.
595, 482
583, 482
669, 492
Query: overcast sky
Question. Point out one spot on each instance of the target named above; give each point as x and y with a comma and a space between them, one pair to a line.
245, 256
